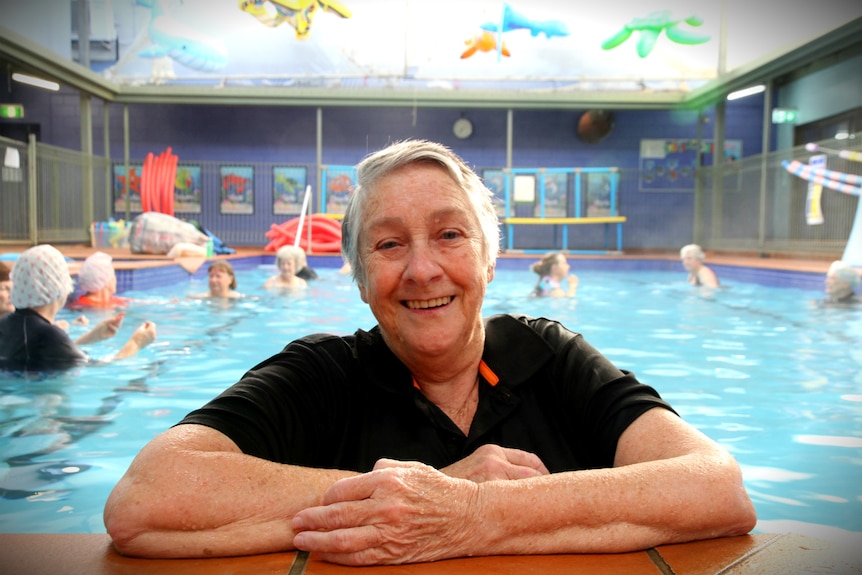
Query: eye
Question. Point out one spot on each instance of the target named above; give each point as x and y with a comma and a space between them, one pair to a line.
451, 234
387, 245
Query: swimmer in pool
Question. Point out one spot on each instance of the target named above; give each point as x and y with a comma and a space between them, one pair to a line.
553, 272
288, 259
98, 281
221, 279
842, 280
29, 340
692, 257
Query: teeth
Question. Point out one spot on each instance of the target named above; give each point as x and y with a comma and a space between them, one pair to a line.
425, 304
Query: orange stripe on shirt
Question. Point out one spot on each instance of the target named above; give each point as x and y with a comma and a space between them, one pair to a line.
486, 372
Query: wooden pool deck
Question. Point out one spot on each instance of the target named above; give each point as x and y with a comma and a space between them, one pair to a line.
764, 554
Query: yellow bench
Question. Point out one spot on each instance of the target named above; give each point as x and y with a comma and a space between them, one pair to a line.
607, 220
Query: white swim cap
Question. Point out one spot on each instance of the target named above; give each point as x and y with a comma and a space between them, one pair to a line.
96, 272
39, 277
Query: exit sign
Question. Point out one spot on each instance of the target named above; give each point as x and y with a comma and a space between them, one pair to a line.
784, 116
11, 111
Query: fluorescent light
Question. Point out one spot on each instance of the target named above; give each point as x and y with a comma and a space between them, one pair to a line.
746, 92
34, 81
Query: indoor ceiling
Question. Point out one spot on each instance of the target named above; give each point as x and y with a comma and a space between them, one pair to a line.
467, 53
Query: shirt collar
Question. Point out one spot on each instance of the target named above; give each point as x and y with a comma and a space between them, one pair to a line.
510, 363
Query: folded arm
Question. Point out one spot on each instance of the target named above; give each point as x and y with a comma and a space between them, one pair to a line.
669, 484
192, 493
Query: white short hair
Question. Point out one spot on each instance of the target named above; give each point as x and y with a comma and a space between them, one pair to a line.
845, 272
692, 249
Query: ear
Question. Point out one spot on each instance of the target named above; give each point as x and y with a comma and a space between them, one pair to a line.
362, 293
491, 269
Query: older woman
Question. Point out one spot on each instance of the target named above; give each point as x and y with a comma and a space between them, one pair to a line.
221, 279
841, 281
289, 260
29, 340
699, 274
438, 433
98, 281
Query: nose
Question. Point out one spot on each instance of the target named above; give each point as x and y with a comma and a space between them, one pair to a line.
422, 264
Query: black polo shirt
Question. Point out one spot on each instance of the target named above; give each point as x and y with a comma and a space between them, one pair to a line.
344, 402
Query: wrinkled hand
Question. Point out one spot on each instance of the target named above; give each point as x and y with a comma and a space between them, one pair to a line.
401, 512
490, 462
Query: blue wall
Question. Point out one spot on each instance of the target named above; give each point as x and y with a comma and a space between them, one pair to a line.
541, 138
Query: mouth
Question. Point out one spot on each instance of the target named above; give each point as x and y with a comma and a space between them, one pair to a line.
428, 303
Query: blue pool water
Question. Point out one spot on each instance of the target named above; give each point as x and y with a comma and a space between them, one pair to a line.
773, 378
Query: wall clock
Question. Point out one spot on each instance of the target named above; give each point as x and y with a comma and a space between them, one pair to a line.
462, 128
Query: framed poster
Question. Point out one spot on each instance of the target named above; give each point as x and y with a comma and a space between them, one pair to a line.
187, 189
236, 190
134, 183
495, 180
556, 194
598, 186
288, 189
339, 182
670, 165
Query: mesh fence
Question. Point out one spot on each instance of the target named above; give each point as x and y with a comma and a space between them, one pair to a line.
754, 204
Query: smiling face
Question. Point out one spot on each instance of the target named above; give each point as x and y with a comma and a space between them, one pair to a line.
287, 266
690, 262
220, 281
426, 272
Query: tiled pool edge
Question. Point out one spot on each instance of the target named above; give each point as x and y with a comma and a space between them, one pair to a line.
726, 273
171, 273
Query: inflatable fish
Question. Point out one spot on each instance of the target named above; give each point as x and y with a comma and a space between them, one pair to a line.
513, 20
483, 42
297, 13
175, 39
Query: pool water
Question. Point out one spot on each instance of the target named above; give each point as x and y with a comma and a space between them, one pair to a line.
763, 371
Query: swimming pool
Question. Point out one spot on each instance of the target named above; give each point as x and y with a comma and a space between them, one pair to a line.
776, 380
